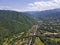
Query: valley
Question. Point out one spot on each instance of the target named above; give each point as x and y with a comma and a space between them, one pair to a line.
20, 28
34, 36
31, 38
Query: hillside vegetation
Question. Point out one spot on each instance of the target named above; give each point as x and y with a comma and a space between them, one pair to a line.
12, 22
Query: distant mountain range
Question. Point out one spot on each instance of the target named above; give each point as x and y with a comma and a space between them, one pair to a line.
55, 13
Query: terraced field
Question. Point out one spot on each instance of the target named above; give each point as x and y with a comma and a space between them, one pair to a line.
38, 42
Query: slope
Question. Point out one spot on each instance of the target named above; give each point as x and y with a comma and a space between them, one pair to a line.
12, 22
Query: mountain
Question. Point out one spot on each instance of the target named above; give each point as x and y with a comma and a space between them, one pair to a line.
12, 22
54, 13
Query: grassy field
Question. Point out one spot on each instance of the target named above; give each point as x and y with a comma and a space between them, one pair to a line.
55, 39
38, 42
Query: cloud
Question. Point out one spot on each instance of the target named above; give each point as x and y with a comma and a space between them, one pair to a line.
44, 5
44, 0
10, 8
38, 5
4, 7
57, 0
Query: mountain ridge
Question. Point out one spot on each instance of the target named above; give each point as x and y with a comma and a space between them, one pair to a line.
12, 22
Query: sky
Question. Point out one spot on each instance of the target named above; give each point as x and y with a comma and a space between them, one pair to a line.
29, 5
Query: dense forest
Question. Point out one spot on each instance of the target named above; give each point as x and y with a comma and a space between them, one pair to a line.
12, 22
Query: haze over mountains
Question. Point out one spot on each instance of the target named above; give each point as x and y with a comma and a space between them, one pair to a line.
47, 13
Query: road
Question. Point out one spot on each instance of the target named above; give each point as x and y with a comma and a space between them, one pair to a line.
34, 29
30, 41
33, 35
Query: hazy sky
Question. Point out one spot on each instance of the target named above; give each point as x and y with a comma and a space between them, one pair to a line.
29, 5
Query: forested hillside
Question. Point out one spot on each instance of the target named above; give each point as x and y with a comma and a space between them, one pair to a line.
52, 16
12, 22
47, 14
